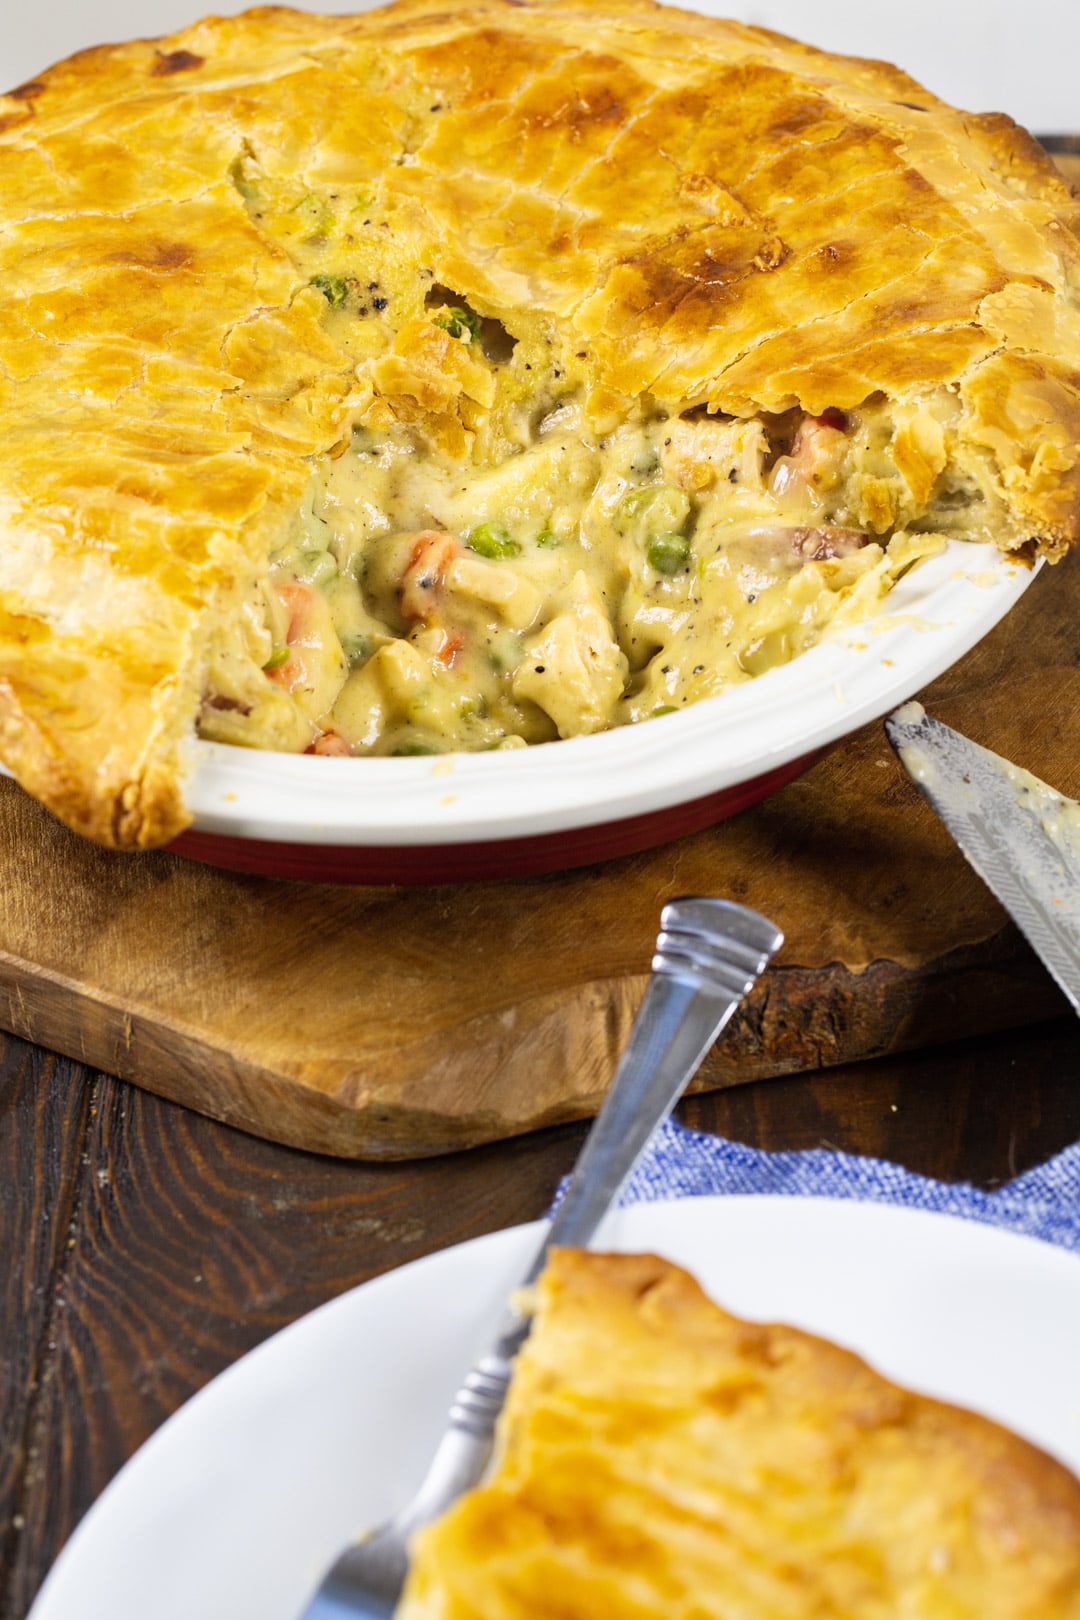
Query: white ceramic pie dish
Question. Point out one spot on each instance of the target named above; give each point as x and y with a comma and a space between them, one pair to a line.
466, 816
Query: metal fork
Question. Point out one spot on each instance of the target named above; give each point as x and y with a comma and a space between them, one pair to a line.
708, 954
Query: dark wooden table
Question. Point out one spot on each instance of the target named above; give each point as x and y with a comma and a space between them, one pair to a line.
144, 1248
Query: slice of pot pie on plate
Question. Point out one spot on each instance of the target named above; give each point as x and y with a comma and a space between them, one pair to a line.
659, 1457
475, 377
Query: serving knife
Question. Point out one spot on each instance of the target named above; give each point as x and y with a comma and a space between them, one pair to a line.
1020, 835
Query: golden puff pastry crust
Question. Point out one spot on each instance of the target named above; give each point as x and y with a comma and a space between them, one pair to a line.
218, 251
659, 1457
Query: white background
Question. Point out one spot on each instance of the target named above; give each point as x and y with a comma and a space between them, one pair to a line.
1015, 56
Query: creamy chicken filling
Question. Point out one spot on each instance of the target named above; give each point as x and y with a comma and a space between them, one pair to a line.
422, 602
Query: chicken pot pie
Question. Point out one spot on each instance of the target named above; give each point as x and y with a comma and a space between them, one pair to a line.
660, 1458
474, 377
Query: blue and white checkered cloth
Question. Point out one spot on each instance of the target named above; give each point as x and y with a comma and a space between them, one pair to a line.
679, 1163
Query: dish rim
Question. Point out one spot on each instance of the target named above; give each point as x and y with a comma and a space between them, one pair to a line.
854, 675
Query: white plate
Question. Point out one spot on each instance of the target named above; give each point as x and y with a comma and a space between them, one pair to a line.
235, 1507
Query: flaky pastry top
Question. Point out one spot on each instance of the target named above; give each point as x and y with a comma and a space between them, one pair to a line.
653, 204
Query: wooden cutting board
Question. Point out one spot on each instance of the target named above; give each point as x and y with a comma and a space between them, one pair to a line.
395, 1023
391, 1023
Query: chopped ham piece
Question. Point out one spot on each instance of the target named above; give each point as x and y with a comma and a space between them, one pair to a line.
813, 464
817, 544
807, 543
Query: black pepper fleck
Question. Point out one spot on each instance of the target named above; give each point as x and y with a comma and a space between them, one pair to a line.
539, 669
733, 476
379, 303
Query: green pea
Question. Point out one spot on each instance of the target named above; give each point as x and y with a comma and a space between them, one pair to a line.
492, 540
355, 647
279, 656
505, 652
548, 539
460, 323
314, 213
333, 288
316, 567
655, 509
669, 554
412, 748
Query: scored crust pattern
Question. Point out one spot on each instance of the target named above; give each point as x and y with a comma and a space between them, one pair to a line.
650, 203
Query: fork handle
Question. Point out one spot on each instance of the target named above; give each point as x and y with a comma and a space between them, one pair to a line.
697, 983
708, 955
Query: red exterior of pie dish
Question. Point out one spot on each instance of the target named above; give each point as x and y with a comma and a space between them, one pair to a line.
482, 861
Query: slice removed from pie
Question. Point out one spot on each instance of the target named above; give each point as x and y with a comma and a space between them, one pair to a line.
469, 378
659, 1457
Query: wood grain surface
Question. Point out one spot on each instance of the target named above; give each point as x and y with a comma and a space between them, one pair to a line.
401, 1022
146, 1248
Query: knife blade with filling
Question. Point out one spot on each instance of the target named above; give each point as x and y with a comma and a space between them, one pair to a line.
1020, 835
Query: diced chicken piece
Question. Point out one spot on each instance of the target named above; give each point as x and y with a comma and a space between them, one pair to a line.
361, 711
573, 669
698, 454
316, 667
515, 598
399, 683
389, 686
279, 723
